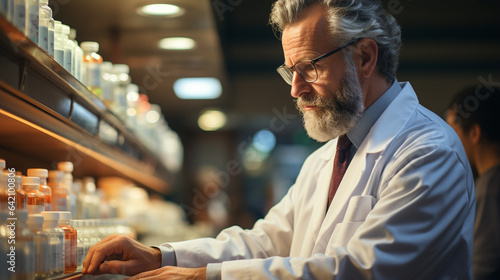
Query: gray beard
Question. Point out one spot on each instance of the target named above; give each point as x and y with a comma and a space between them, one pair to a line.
335, 116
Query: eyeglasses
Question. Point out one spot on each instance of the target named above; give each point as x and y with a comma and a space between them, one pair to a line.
306, 69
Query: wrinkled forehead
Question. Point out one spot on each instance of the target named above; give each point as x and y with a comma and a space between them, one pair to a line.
310, 29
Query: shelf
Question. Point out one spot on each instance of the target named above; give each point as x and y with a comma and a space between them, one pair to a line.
47, 115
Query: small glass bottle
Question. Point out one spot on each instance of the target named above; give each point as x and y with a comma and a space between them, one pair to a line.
70, 242
42, 249
32, 20
24, 248
56, 234
43, 174
19, 16
59, 192
58, 43
77, 55
92, 64
21, 199
67, 168
4, 195
45, 14
82, 243
35, 198
68, 50
107, 83
51, 36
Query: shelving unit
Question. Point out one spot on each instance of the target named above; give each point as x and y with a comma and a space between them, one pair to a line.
47, 115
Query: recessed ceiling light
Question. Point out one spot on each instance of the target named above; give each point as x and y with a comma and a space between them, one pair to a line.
197, 88
168, 10
177, 43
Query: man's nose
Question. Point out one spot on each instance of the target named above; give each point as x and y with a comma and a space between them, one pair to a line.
299, 86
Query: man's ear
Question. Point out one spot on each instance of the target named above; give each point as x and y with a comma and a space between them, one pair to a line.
368, 50
475, 134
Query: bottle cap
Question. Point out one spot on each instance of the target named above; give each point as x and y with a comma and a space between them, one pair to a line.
2, 163
90, 46
35, 219
31, 181
50, 215
46, 2
66, 166
64, 215
38, 172
72, 33
56, 176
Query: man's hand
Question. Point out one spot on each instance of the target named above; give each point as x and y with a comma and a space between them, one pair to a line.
117, 254
173, 272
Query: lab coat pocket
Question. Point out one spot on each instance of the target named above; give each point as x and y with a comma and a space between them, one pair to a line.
357, 210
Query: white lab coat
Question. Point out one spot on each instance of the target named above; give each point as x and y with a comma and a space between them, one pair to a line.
404, 210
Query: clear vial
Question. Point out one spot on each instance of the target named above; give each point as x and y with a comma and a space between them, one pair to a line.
43, 174
45, 14
59, 192
35, 199
57, 235
21, 199
19, 15
92, 64
42, 249
68, 50
4, 195
67, 168
77, 55
32, 20
82, 242
70, 242
107, 83
51, 36
25, 248
58, 43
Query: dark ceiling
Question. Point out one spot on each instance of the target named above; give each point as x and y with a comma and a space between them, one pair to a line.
446, 45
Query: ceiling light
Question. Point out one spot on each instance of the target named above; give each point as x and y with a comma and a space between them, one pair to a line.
211, 120
198, 88
177, 43
161, 10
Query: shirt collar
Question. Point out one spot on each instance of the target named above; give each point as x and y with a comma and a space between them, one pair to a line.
371, 114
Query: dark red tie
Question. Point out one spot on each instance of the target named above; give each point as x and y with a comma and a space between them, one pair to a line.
339, 165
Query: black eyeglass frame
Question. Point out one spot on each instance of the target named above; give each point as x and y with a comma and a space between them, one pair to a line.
288, 70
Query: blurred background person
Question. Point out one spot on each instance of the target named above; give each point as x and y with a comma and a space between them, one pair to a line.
474, 113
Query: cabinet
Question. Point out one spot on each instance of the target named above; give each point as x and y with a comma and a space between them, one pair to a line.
47, 115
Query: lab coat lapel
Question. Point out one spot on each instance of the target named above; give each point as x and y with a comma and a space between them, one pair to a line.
323, 175
357, 178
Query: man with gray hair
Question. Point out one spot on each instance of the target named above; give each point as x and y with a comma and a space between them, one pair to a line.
389, 196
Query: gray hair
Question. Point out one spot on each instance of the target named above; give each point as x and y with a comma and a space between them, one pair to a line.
351, 20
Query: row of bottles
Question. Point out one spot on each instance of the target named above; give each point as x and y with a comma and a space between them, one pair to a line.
46, 190
38, 240
110, 82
